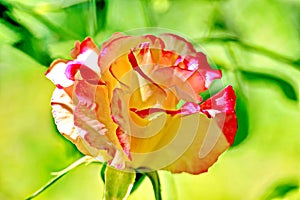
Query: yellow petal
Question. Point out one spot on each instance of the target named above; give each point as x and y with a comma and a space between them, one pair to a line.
180, 144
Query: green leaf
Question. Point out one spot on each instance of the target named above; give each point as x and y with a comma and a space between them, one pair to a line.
118, 184
102, 172
154, 178
282, 189
138, 180
234, 79
287, 88
243, 120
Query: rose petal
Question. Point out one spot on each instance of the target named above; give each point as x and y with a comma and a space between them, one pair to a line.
187, 109
207, 145
188, 84
181, 144
86, 45
88, 58
221, 106
92, 117
121, 44
177, 44
56, 73
62, 110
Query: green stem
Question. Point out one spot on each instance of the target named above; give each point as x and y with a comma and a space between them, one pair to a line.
58, 175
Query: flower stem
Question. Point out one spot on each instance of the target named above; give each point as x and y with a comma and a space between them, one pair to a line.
58, 175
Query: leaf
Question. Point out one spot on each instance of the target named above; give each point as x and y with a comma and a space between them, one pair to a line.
154, 178
118, 184
282, 189
287, 88
234, 79
138, 180
243, 120
102, 172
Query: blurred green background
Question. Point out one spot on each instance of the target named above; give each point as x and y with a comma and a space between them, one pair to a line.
255, 42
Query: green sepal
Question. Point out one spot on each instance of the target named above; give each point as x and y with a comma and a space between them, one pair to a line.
154, 178
118, 184
139, 178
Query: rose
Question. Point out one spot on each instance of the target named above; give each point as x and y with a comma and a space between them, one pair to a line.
135, 103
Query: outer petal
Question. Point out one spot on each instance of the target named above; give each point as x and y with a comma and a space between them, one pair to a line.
221, 107
208, 144
179, 144
177, 44
86, 45
56, 73
85, 56
62, 110
92, 117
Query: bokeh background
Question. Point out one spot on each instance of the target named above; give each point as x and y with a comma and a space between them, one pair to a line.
255, 42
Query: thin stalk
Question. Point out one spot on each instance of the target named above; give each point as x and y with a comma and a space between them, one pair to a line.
58, 175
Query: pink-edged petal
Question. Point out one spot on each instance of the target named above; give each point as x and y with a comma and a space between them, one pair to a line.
121, 44
56, 73
78, 71
188, 84
178, 44
94, 123
119, 111
89, 58
85, 56
221, 107
62, 110
86, 45
199, 62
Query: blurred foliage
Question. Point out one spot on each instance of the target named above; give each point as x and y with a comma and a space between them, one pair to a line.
256, 43
282, 189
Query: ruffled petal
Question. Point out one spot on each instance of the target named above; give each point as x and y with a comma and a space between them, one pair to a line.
188, 84
56, 73
85, 61
93, 120
86, 45
221, 107
62, 110
177, 44
119, 45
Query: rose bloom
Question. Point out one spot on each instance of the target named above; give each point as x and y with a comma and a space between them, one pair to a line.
135, 104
